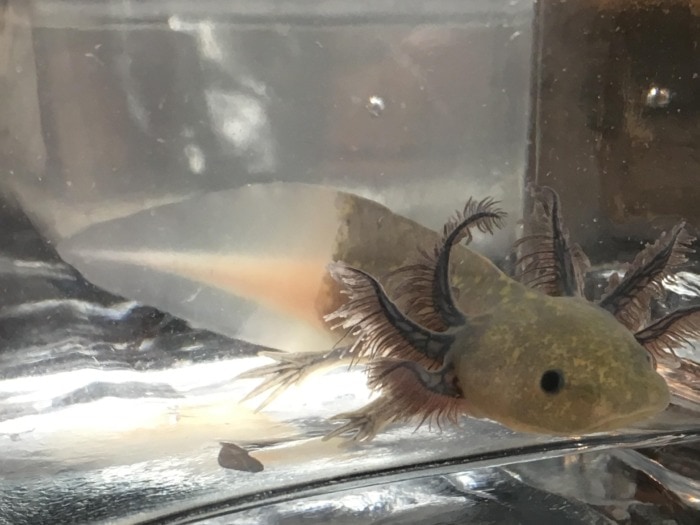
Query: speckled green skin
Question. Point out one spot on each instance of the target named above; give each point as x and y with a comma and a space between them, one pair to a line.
515, 334
609, 381
373, 239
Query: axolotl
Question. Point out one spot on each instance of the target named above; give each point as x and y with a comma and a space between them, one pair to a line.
532, 354
442, 330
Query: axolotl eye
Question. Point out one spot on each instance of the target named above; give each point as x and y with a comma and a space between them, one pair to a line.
552, 381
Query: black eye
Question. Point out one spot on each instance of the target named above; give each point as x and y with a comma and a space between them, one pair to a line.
552, 381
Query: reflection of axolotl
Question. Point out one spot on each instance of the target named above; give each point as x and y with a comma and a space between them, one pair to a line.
461, 338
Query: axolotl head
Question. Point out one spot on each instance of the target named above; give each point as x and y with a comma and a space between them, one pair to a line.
557, 366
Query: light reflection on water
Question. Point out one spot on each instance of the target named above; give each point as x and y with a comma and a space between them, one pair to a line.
110, 403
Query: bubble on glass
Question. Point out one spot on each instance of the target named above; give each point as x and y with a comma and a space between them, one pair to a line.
208, 42
375, 105
205, 34
658, 97
195, 158
175, 23
240, 118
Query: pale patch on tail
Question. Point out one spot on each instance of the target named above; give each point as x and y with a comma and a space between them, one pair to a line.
288, 286
248, 263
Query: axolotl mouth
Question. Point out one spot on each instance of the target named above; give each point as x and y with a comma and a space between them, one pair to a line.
639, 412
657, 400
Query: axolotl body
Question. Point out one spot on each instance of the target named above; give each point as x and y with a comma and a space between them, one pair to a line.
443, 334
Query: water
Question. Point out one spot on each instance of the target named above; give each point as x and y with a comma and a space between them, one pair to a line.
115, 410
164, 100
112, 410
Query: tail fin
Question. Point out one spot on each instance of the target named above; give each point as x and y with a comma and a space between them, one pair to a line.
249, 263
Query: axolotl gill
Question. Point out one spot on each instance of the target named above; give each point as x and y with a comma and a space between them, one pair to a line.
540, 357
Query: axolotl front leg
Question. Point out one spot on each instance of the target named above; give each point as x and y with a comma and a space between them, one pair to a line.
406, 362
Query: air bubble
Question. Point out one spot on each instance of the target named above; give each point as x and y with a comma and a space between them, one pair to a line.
375, 105
658, 97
